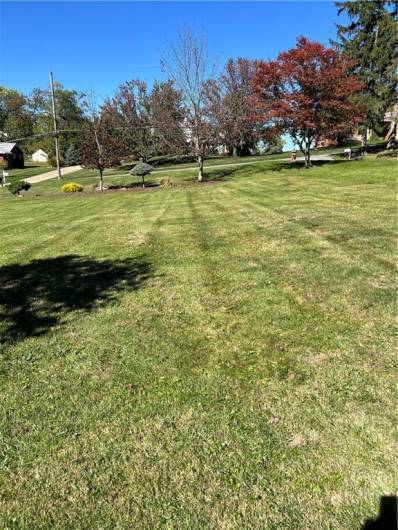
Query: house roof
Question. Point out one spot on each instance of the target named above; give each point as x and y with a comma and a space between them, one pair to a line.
40, 151
6, 147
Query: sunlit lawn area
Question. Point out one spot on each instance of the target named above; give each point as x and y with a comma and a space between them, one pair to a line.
30, 170
163, 163
207, 356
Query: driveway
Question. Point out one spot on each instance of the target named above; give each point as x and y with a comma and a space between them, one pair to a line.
52, 174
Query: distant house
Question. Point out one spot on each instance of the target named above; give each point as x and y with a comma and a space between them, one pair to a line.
326, 141
388, 131
11, 156
40, 156
390, 123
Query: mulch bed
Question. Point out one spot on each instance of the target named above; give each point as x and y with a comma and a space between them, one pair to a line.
153, 187
137, 189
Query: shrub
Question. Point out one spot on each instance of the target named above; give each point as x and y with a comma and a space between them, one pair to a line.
53, 161
170, 160
117, 184
274, 146
140, 170
166, 182
17, 186
122, 185
71, 187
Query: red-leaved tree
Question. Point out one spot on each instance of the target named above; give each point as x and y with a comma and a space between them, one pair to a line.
306, 92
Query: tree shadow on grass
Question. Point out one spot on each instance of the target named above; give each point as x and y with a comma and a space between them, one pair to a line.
38, 295
223, 173
269, 165
299, 164
132, 185
387, 518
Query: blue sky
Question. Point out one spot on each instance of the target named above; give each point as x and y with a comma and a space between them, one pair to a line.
98, 45
95, 46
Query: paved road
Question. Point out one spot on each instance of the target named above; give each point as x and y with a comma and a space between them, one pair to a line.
52, 174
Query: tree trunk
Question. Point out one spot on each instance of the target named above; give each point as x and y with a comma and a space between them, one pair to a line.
364, 140
101, 186
143, 181
391, 131
305, 145
307, 157
234, 151
200, 174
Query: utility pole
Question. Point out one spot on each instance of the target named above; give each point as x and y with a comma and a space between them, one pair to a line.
56, 134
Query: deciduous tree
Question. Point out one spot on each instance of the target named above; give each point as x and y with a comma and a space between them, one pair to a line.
70, 118
229, 105
16, 118
101, 147
190, 67
167, 119
130, 108
306, 92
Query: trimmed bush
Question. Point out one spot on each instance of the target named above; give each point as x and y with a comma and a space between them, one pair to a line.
166, 182
71, 187
140, 170
18, 186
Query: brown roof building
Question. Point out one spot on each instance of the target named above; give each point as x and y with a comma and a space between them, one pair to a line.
11, 156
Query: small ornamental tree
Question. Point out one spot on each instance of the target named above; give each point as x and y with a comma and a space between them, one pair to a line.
72, 156
306, 92
101, 147
140, 170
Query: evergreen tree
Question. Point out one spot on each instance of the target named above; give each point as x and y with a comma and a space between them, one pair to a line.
371, 40
72, 156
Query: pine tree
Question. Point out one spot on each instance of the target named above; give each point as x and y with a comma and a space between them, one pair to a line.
371, 40
72, 156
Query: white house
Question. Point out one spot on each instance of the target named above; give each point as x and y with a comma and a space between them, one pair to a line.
40, 156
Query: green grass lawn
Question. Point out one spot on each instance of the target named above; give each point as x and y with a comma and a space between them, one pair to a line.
216, 356
170, 162
30, 170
